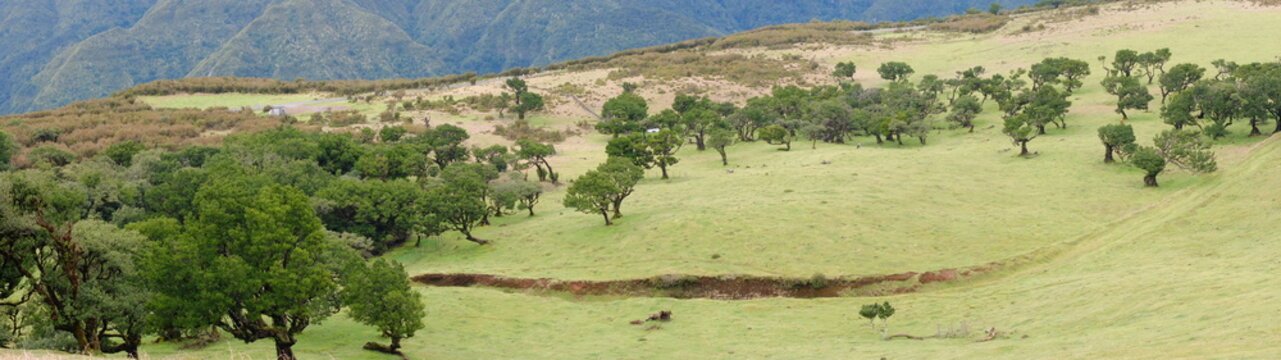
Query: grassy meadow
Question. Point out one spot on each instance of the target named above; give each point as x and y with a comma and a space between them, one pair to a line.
1186, 270
229, 100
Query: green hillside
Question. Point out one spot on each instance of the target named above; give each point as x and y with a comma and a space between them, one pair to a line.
1059, 254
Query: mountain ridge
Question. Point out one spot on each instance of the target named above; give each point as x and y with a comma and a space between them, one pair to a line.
70, 50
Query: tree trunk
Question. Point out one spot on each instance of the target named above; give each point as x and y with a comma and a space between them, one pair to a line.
474, 239
698, 140
663, 167
1150, 180
618, 208
879, 140
789, 147
284, 351
971, 128
395, 343
1040, 129
1254, 128
531, 210
551, 173
1024, 145
1107, 156
1124, 117
724, 158
605, 214
1278, 130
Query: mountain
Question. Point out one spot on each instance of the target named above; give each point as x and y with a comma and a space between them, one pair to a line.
59, 51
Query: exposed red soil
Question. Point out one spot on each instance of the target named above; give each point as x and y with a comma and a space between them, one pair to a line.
725, 287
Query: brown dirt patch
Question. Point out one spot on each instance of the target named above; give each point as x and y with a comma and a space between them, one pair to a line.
725, 287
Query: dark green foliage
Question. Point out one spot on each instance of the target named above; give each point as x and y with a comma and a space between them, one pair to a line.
964, 110
338, 153
1129, 92
720, 139
1116, 138
624, 175
1124, 63
1153, 63
1150, 162
1061, 71
845, 70
388, 212
537, 153
1186, 149
881, 311
254, 261
392, 162
1179, 78
122, 153
776, 135
379, 295
623, 115
592, 193
663, 146
391, 134
8, 147
632, 147
445, 143
895, 71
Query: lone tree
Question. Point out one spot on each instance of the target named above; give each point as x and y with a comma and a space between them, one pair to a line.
1021, 128
1151, 162
895, 71
1129, 92
536, 153
624, 175
663, 145
529, 102
845, 70
1116, 138
379, 295
459, 208
592, 193
719, 139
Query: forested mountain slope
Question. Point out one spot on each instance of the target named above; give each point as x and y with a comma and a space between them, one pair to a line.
59, 51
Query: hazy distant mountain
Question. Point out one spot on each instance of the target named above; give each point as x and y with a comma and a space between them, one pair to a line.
59, 51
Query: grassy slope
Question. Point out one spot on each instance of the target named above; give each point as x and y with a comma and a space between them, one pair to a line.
232, 100
1185, 271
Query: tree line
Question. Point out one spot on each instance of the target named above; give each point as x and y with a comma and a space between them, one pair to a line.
1198, 106
258, 238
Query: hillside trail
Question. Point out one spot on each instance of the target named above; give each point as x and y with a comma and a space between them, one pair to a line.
1134, 225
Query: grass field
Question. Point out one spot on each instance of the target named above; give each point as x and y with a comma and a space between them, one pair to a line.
234, 100
1183, 271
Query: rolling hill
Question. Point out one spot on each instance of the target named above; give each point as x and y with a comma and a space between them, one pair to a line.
1062, 255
